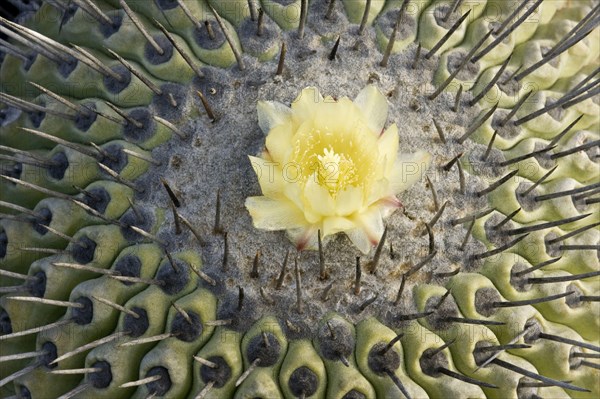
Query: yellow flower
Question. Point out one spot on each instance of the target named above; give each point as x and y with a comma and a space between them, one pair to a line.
329, 165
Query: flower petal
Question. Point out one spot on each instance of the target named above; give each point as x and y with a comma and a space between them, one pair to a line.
388, 144
304, 237
271, 114
270, 177
293, 192
317, 198
388, 205
369, 230
372, 224
408, 169
337, 116
270, 214
374, 107
348, 201
306, 104
279, 143
377, 190
335, 224
360, 240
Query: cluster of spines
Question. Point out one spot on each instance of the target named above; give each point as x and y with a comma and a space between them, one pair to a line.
55, 117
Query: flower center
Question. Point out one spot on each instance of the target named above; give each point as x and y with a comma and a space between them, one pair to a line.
335, 171
335, 156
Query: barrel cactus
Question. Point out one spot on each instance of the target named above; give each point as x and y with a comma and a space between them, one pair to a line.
300, 199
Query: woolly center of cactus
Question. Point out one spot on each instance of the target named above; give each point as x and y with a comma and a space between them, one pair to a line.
215, 160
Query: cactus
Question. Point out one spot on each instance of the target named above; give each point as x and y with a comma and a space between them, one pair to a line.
130, 136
